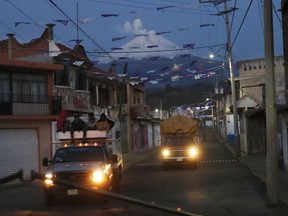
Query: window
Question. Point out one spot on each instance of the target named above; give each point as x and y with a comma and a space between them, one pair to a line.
4, 87
74, 154
29, 88
103, 97
245, 67
61, 77
81, 80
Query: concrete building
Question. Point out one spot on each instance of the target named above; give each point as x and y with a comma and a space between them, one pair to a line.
38, 79
251, 105
26, 112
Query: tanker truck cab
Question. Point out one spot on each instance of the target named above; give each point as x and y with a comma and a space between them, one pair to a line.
179, 141
180, 150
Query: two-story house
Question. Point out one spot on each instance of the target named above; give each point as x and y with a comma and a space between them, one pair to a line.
251, 105
37, 80
40, 78
26, 112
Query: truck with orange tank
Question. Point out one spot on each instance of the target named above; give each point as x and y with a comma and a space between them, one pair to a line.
179, 141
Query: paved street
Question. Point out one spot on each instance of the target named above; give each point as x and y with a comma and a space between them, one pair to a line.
221, 185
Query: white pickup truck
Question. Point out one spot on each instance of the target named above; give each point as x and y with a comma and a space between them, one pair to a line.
96, 164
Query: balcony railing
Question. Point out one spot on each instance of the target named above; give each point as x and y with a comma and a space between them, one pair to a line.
16, 104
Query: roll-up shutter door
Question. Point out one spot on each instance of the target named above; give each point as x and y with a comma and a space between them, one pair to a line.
18, 151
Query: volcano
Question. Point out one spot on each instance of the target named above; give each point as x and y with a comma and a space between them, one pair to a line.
146, 46
157, 61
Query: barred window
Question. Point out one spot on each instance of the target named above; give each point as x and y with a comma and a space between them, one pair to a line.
29, 88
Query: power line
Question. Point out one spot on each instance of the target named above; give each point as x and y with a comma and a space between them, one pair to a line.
30, 18
261, 17
131, 52
242, 23
84, 32
151, 8
11, 30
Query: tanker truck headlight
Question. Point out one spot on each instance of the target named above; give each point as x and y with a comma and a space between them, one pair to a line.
165, 152
193, 152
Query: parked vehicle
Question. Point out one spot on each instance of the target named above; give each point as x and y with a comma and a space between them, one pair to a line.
96, 164
179, 141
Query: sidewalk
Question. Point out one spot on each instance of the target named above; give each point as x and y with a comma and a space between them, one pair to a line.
258, 166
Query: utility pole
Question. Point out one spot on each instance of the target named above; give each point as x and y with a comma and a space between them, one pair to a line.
271, 136
284, 10
233, 88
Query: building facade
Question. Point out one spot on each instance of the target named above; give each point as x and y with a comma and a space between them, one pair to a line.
251, 106
42, 77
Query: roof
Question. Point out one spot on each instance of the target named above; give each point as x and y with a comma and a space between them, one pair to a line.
19, 50
246, 102
42, 46
5, 64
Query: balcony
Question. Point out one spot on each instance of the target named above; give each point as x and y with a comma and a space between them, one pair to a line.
33, 105
73, 100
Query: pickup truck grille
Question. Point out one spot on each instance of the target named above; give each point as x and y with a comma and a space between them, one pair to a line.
179, 153
74, 177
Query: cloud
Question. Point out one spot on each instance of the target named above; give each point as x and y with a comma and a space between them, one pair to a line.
135, 27
127, 27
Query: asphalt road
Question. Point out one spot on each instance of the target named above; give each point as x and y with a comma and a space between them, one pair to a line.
219, 186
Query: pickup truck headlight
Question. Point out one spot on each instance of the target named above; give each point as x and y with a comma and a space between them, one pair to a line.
98, 176
193, 152
49, 179
165, 152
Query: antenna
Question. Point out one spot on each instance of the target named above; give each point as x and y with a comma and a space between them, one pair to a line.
77, 21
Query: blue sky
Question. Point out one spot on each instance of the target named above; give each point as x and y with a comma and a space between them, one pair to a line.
178, 21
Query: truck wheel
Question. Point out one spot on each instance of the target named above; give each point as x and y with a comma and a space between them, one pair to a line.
116, 180
49, 199
194, 165
166, 165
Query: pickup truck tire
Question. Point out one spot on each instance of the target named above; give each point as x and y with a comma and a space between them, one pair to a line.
166, 165
116, 180
194, 165
49, 198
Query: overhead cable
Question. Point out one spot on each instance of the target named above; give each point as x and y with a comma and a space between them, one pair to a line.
84, 32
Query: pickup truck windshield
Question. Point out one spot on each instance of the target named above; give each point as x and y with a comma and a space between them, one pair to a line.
178, 141
76, 154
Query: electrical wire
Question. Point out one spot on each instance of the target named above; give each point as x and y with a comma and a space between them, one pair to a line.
278, 18
192, 11
25, 14
237, 34
261, 17
51, 3
11, 30
85, 33
31, 19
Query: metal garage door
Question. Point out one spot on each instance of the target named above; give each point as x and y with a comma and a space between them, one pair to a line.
18, 150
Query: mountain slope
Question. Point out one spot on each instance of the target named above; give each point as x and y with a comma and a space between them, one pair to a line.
146, 46
157, 61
